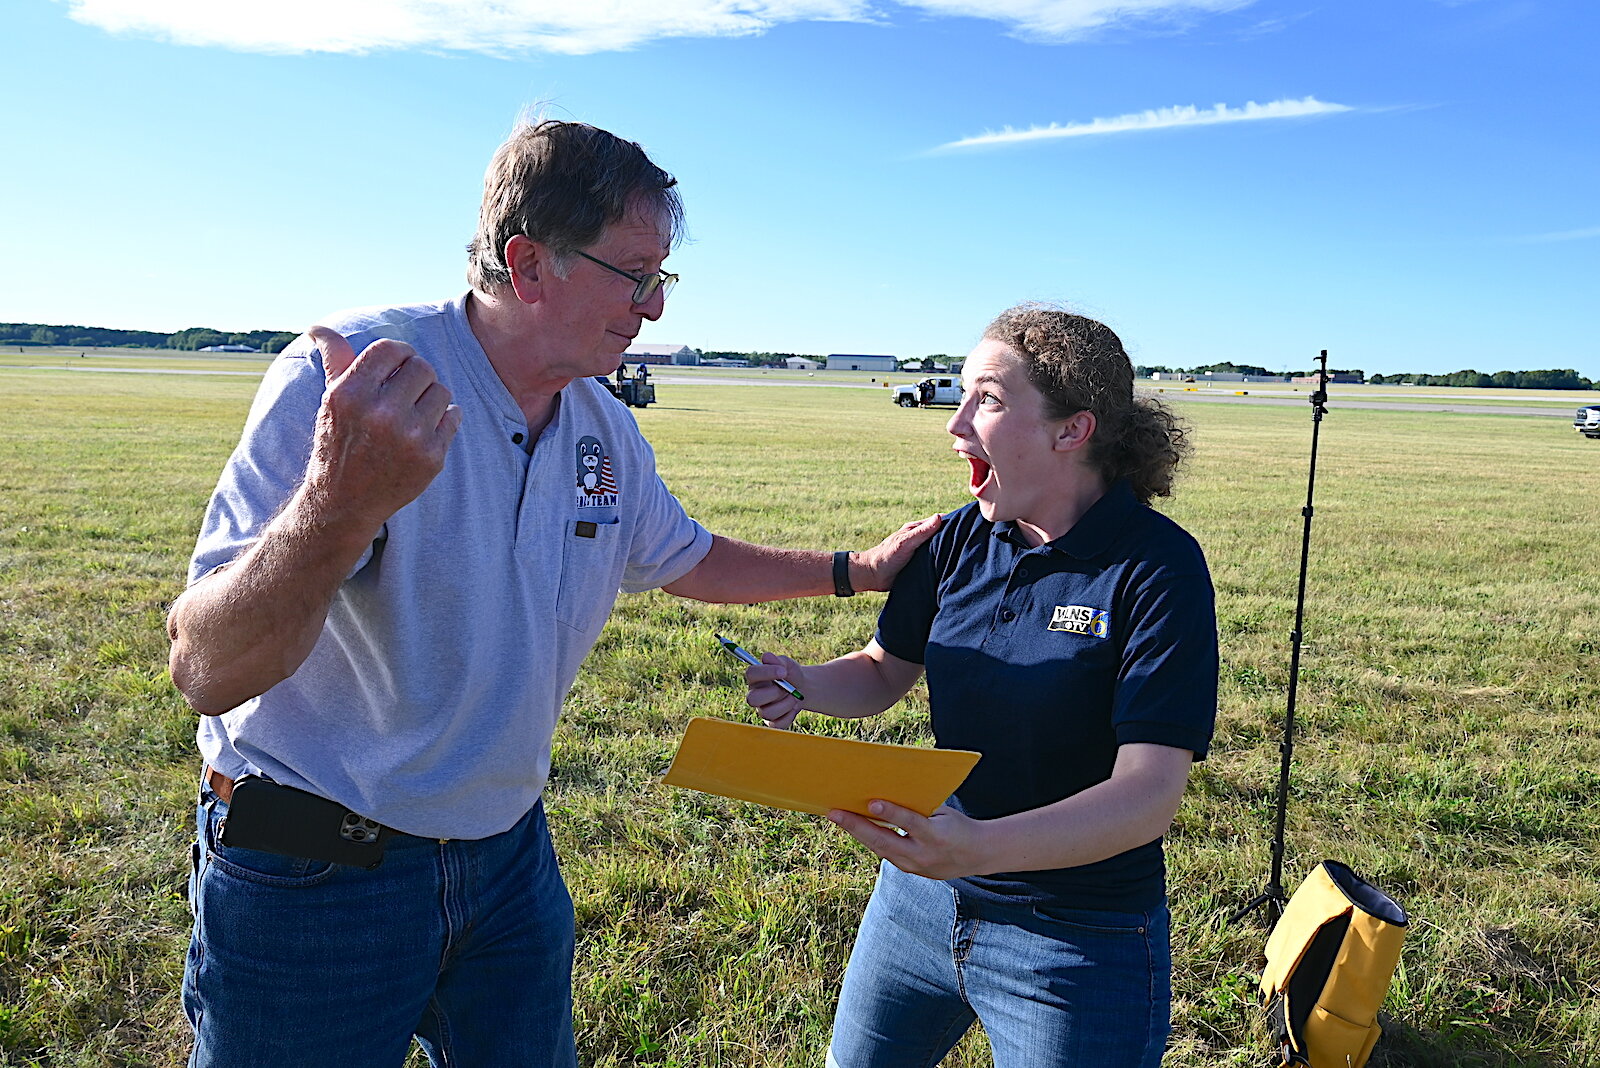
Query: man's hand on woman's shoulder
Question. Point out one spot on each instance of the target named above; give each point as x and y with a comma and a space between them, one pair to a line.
876, 568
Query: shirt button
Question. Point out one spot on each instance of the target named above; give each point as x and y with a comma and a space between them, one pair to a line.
1022, 572
1007, 615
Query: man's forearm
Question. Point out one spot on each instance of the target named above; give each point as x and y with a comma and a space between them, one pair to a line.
737, 572
381, 437
247, 627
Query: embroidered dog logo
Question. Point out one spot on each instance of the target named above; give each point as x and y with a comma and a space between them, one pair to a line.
596, 484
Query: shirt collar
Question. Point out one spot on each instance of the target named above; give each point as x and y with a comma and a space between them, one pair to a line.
1094, 531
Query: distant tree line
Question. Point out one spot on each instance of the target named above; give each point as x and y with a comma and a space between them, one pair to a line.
1562, 379
198, 337
1231, 369
757, 359
1235, 369
195, 337
776, 359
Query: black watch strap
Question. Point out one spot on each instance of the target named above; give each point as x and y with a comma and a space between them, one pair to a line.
841, 574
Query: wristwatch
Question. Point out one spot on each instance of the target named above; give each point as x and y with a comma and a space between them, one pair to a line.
841, 574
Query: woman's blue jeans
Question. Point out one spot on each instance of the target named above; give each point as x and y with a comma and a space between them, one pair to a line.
466, 945
1053, 988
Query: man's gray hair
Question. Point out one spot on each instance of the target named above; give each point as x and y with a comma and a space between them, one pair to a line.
562, 184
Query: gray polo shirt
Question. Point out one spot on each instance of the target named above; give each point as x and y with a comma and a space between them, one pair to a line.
429, 701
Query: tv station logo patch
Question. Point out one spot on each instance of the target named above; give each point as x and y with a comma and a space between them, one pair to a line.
1080, 619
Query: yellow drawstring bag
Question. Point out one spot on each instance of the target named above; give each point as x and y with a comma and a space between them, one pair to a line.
1330, 960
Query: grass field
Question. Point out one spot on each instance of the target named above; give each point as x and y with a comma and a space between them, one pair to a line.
1450, 743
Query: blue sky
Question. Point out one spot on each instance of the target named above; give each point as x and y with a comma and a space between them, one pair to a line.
1409, 184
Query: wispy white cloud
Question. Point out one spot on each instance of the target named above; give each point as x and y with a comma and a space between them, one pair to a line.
1584, 234
1267, 27
1155, 119
505, 27
1072, 20
572, 27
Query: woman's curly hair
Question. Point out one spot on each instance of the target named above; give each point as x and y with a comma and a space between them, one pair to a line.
1080, 366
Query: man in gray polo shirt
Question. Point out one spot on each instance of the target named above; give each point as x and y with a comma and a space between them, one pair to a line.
415, 544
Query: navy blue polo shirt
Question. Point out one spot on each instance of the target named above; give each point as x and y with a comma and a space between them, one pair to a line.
1046, 659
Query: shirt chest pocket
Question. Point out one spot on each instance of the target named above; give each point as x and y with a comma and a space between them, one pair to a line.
592, 560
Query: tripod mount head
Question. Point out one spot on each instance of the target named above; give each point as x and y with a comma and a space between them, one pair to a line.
1319, 396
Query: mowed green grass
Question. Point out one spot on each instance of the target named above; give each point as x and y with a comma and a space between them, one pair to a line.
1449, 745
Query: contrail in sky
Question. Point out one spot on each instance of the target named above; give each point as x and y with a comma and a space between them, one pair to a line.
1156, 119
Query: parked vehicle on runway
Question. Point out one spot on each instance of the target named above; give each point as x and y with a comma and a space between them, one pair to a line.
636, 390
928, 392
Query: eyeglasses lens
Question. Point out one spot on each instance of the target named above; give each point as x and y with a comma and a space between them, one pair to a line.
648, 285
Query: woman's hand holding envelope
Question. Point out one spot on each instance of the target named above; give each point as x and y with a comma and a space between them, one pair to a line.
945, 845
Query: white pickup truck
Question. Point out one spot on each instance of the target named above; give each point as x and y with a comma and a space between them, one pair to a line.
1587, 422
928, 392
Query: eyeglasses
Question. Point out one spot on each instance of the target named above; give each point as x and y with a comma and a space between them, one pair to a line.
644, 287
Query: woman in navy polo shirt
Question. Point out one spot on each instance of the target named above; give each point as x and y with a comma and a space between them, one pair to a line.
1068, 633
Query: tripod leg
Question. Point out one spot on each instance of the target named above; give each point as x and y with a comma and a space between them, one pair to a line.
1273, 897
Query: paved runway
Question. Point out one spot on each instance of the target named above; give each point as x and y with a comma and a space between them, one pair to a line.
1548, 407
130, 370
1335, 402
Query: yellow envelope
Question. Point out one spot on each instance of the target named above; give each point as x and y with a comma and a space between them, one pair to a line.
812, 773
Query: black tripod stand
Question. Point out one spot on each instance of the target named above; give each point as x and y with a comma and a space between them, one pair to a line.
1273, 896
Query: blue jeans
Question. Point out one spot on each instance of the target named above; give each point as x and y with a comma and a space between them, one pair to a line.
466, 945
1052, 987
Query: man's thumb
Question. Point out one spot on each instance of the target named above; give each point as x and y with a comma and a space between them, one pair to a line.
337, 355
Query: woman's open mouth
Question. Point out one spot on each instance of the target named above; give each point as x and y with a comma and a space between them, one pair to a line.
979, 475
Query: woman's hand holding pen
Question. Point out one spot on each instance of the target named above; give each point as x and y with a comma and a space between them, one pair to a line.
774, 704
